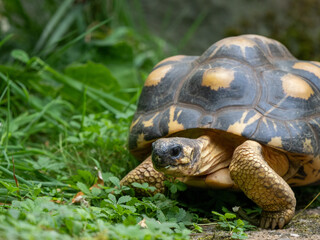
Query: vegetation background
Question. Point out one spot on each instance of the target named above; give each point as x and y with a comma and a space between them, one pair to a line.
71, 72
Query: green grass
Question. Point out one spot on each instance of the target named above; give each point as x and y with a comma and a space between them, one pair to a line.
66, 103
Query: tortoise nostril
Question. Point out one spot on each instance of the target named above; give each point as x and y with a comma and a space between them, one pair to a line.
175, 151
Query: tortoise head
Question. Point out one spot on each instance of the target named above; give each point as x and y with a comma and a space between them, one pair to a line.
176, 156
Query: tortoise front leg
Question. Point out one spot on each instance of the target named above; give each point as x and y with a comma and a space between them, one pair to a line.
263, 185
145, 173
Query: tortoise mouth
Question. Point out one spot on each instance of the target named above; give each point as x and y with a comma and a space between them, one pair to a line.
181, 170
170, 160
169, 166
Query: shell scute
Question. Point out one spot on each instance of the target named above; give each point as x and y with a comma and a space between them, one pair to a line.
243, 49
236, 91
140, 132
307, 70
177, 118
306, 142
163, 78
272, 132
240, 122
287, 96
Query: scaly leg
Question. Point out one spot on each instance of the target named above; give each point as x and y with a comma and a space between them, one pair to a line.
145, 173
263, 185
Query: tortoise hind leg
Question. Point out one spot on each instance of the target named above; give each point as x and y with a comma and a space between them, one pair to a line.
145, 173
263, 185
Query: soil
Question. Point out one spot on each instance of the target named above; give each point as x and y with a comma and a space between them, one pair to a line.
304, 226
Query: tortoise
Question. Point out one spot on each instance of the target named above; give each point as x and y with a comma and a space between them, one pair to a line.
245, 115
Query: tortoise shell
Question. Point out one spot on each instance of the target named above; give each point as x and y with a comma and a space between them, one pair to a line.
249, 85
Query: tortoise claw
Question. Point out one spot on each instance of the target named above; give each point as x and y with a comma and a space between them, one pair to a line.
275, 219
281, 223
267, 223
262, 222
274, 224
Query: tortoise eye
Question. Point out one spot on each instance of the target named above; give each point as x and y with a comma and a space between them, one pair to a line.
175, 151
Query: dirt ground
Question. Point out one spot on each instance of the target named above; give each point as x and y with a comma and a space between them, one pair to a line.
304, 226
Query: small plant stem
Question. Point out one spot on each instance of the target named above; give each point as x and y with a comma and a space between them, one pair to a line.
14, 173
243, 215
207, 224
6, 171
307, 206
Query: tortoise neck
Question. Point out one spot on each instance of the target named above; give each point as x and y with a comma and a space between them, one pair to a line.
215, 154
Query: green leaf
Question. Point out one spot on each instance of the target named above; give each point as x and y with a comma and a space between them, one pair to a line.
217, 214
20, 55
120, 60
230, 215
72, 139
225, 210
114, 38
197, 228
83, 188
15, 213
112, 198
124, 199
181, 186
173, 188
132, 209
95, 191
240, 223
115, 181
84, 176
181, 214
161, 216
137, 185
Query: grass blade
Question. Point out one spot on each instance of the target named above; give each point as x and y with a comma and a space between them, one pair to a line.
93, 93
5, 39
81, 36
35, 104
52, 23
60, 31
